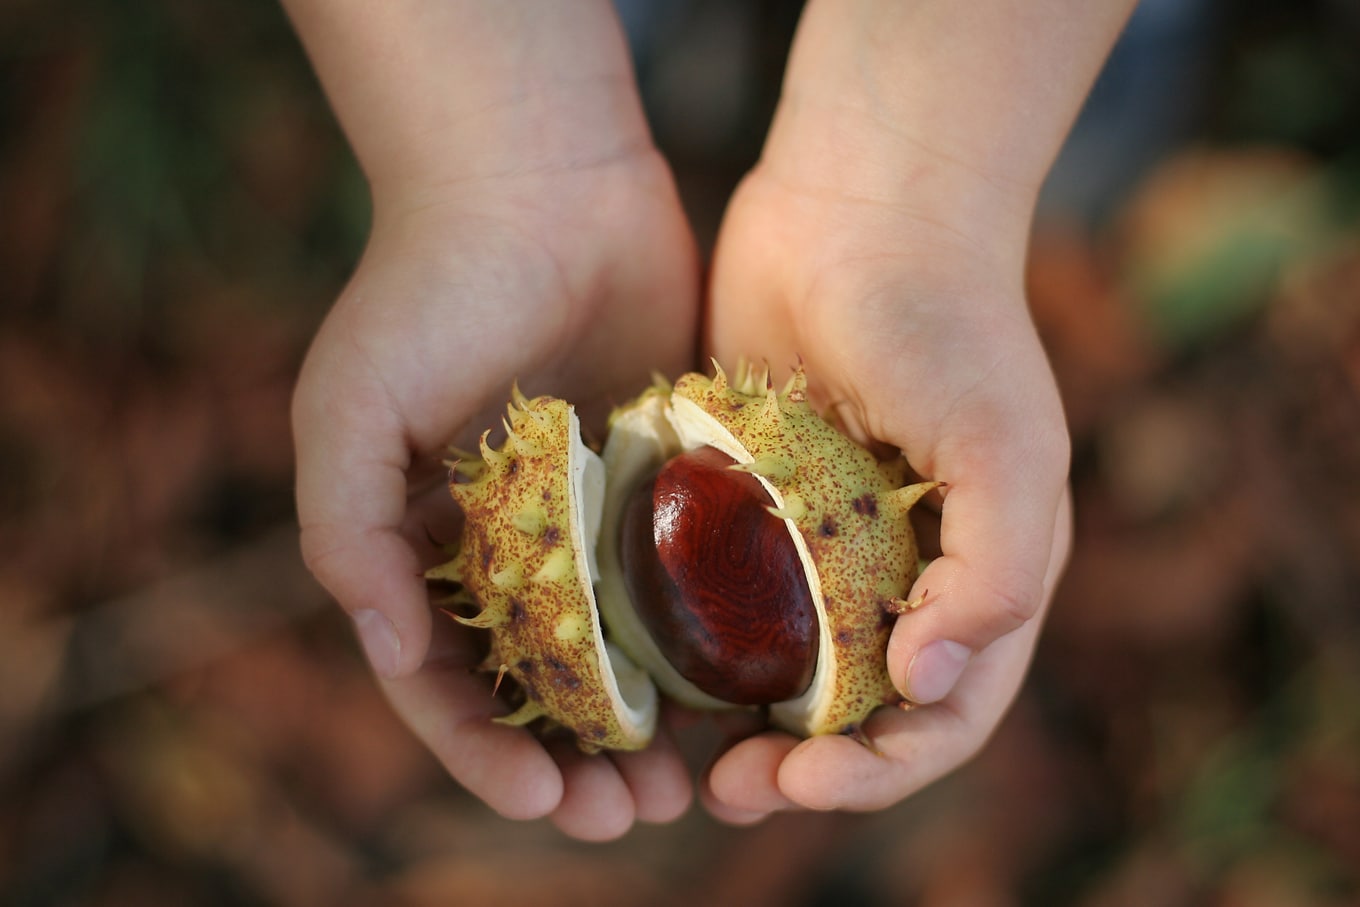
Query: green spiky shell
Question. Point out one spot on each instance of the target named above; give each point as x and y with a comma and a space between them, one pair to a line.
530, 539
526, 559
850, 515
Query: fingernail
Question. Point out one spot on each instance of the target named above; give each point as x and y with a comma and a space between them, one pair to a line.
935, 670
380, 641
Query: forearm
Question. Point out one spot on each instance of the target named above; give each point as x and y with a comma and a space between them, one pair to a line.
939, 104
434, 93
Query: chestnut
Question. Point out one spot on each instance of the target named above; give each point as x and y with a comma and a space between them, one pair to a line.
717, 580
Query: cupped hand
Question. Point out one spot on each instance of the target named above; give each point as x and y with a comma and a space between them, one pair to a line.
915, 333
574, 280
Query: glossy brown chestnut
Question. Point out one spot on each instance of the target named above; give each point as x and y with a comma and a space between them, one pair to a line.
717, 581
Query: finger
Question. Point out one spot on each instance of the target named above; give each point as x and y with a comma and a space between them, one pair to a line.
596, 804
451, 710
912, 750
745, 778
351, 491
996, 537
657, 780
433, 524
729, 815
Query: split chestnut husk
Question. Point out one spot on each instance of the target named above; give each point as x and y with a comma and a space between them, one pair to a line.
728, 546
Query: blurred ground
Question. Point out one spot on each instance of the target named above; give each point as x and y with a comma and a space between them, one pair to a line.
184, 719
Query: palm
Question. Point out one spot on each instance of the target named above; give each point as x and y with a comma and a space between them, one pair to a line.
581, 282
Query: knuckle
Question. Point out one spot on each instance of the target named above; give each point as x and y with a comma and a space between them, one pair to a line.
324, 555
1016, 599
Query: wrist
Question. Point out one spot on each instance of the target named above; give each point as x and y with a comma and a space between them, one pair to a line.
528, 147
836, 153
953, 112
441, 95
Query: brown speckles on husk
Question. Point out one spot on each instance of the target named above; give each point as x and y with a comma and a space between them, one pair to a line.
862, 551
559, 672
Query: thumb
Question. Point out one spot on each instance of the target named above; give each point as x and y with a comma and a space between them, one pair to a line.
352, 460
997, 535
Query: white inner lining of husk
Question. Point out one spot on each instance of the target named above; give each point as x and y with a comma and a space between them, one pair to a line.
629, 689
640, 441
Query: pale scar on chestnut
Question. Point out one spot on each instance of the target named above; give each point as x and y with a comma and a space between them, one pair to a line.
727, 548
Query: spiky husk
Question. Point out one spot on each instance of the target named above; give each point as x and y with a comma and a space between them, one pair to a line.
849, 515
532, 521
526, 559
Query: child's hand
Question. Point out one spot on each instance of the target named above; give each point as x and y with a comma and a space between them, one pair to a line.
453, 301
524, 229
914, 337
882, 240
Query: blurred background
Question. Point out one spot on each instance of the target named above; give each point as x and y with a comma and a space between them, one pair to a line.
184, 718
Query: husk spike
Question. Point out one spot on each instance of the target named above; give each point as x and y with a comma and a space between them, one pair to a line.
508, 577
500, 675
777, 469
903, 606
496, 459
795, 389
487, 620
901, 500
464, 463
522, 715
794, 508
557, 567
492, 662
720, 381
524, 447
530, 521
448, 572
